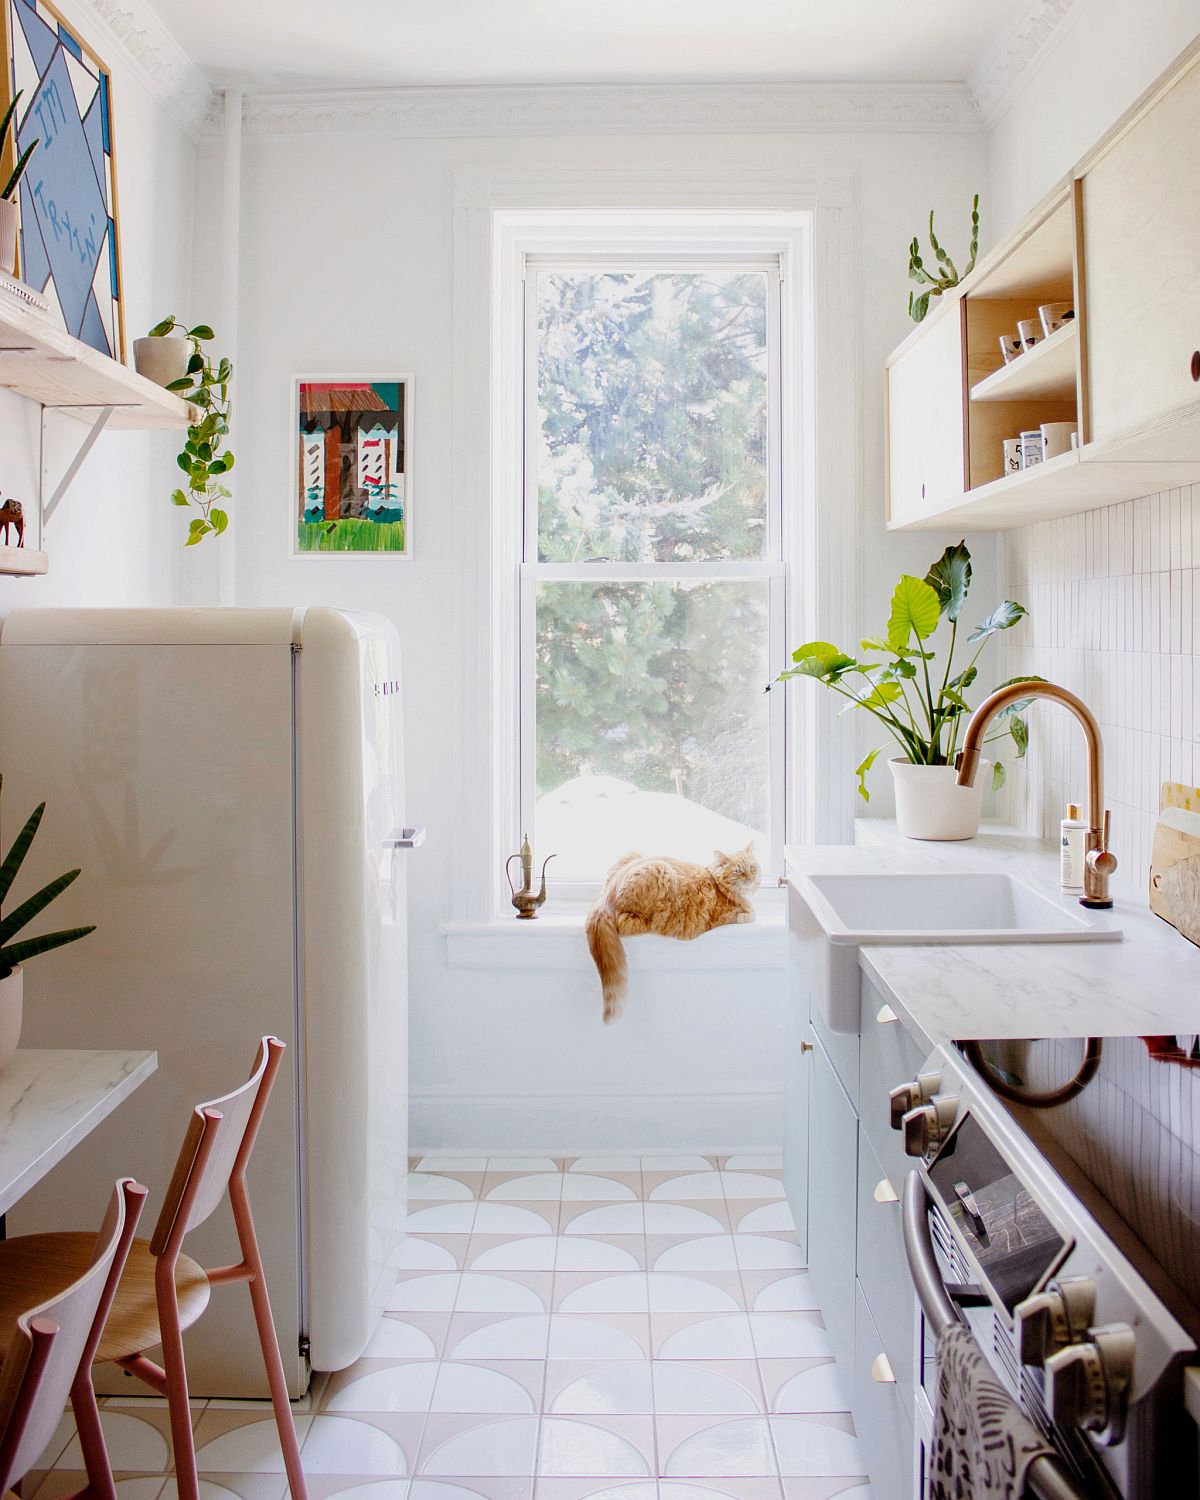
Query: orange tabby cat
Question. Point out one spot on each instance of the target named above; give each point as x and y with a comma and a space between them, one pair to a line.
667, 896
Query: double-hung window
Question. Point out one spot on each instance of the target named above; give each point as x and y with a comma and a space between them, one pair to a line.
652, 577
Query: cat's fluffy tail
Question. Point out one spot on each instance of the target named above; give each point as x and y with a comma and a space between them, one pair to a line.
608, 954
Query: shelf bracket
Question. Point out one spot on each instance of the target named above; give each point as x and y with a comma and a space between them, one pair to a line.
49, 506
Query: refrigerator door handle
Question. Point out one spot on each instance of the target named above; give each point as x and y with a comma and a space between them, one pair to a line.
404, 838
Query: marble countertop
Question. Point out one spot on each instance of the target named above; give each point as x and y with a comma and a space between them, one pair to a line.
1146, 984
50, 1098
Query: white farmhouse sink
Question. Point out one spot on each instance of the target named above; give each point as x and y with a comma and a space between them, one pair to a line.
838, 914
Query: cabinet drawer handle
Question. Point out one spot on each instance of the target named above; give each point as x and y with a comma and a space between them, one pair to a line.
881, 1370
806, 1046
885, 1015
1196, 364
885, 1192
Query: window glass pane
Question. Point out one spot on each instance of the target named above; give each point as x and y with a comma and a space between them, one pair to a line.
652, 415
651, 721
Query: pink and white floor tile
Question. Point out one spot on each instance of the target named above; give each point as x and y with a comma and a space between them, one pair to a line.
609, 1327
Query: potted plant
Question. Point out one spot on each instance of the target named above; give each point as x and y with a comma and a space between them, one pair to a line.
946, 274
206, 386
8, 198
13, 955
898, 683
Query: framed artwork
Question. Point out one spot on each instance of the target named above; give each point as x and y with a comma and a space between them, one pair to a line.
353, 464
68, 247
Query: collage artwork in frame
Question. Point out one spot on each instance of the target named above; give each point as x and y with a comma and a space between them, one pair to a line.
68, 248
353, 464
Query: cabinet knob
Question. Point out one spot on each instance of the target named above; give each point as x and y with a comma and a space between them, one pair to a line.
885, 1192
806, 1046
881, 1370
1196, 364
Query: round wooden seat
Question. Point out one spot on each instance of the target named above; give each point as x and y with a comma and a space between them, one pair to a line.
34, 1267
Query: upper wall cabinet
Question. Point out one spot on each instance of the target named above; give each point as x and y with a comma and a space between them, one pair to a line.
1141, 235
1116, 243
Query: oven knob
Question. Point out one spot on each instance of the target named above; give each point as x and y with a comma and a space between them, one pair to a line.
929, 1124
909, 1095
1087, 1384
1052, 1319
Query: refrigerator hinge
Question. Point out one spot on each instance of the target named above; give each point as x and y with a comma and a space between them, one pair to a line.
305, 1346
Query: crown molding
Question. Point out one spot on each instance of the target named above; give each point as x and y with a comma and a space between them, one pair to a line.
132, 31
612, 109
1003, 71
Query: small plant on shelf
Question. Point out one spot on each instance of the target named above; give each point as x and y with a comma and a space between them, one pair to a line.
946, 275
10, 187
894, 682
14, 953
205, 385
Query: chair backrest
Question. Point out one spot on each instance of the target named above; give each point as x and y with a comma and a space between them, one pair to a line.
54, 1338
220, 1136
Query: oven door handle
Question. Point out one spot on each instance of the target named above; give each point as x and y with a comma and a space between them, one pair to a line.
1046, 1479
939, 1310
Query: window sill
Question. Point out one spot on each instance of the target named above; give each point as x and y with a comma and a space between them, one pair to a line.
556, 941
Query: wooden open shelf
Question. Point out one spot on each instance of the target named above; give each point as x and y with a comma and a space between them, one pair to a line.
43, 362
23, 561
1047, 370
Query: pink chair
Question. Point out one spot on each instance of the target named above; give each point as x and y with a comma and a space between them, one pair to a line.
163, 1291
50, 1348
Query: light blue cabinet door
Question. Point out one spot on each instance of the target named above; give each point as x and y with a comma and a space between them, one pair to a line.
832, 1181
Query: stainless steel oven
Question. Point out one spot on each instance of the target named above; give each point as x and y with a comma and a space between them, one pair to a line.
995, 1239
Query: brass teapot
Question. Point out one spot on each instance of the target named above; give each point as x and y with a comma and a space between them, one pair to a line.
527, 900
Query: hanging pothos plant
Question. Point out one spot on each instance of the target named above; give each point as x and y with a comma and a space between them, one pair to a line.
205, 386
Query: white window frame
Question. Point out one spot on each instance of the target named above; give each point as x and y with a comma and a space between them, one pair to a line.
497, 211
652, 245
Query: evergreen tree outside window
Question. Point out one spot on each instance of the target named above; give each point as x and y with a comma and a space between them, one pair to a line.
652, 575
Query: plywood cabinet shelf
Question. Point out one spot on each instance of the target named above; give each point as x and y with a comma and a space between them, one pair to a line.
1048, 369
1125, 372
41, 361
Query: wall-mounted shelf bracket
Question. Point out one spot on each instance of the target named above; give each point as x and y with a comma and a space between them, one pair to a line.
49, 503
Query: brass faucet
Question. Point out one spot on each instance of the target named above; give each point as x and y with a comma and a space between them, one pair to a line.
1100, 862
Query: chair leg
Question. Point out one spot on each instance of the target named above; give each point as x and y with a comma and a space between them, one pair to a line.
183, 1444
91, 1438
269, 1341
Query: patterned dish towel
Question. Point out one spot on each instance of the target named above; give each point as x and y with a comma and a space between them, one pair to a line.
983, 1443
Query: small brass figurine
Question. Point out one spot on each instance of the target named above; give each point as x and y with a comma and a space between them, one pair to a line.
527, 900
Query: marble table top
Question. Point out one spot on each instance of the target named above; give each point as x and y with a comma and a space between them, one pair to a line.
50, 1098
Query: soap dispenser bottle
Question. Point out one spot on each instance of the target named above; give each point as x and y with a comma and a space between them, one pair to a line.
1073, 831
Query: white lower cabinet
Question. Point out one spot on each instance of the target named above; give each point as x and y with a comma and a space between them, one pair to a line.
882, 1414
832, 1178
853, 1172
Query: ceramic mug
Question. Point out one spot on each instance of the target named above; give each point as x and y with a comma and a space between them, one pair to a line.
1031, 448
1010, 347
1056, 438
1029, 331
1012, 455
1054, 315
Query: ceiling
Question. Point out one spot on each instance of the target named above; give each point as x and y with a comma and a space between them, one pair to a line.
312, 44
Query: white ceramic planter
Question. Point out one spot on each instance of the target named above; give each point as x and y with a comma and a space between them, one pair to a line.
931, 805
8, 236
162, 360
11, 991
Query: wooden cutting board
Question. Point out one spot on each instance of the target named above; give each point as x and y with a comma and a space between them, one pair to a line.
1175, 859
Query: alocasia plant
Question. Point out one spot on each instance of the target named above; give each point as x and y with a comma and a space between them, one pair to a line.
892, 679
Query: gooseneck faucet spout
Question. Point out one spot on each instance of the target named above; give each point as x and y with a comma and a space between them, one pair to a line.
1100, 863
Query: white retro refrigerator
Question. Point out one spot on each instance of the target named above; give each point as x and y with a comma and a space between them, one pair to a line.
230, 782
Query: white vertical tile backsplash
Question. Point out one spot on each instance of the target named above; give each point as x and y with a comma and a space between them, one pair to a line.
1114, 615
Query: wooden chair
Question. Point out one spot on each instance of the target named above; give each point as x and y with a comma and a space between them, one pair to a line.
163, 1292
50, 1348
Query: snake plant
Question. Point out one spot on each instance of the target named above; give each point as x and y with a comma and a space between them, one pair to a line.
10, 188
12, 954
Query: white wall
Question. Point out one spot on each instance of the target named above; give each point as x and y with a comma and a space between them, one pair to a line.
112, 537
1108, 54
347, 261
